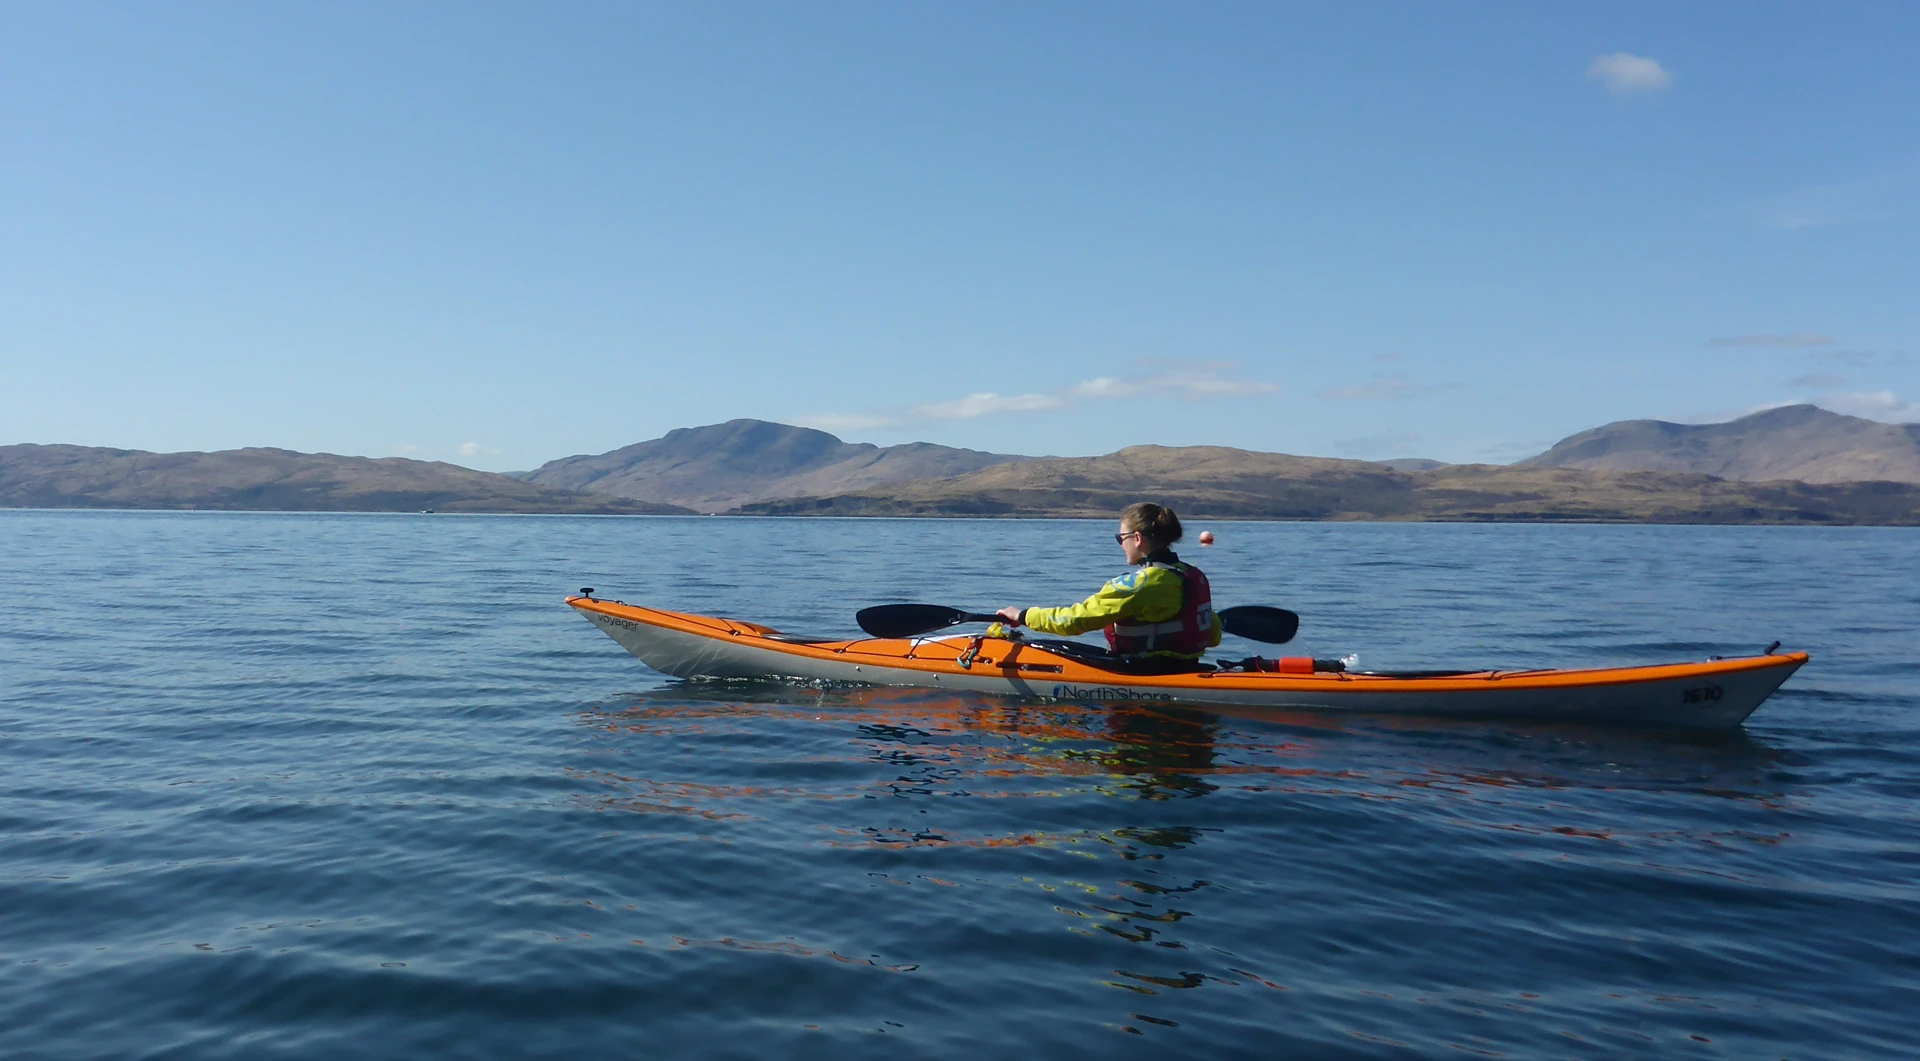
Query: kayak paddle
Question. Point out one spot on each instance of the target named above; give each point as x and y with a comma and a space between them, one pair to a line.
912, 620
1275, 626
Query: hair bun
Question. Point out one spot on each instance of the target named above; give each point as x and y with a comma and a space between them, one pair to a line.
1156, 523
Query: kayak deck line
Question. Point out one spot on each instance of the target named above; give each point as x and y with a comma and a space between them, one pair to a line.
1707, 694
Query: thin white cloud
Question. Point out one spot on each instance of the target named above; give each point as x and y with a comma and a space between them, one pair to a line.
1819, 380
1862, 358
475, 449
1789, 339
1185, 381
974, 406
1190, 380
1874, 405
1624, 74
1192, 385
1387, 388
1104, 387
845, 421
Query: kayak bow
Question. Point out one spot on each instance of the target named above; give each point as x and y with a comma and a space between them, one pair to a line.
1716, 694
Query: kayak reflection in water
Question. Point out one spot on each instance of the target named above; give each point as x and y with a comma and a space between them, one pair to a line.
1158, 617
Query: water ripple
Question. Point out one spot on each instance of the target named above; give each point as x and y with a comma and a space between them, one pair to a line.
320, 786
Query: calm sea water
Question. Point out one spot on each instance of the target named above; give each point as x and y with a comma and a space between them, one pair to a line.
322, 786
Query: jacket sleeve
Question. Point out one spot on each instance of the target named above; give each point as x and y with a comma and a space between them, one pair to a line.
1133, 595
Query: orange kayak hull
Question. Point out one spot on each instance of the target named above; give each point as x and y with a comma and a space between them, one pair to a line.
1711, 694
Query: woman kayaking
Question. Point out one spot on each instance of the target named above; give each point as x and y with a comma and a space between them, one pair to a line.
1160, 616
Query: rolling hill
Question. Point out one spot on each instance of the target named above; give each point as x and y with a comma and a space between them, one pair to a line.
722, 466
1217, 482
1801, 442
275, 479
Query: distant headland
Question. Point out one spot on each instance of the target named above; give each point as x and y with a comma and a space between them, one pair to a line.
1793, 464
257, 479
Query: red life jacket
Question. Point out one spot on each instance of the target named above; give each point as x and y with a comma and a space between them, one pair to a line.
1188, 633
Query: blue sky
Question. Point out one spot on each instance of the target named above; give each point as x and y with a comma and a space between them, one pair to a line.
501, 234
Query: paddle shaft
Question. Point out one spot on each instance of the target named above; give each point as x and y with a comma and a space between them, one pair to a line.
1252, 621
912, 620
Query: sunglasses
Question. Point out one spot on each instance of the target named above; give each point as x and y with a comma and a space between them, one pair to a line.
1121, 538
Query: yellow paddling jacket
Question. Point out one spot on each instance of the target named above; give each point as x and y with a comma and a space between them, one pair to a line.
1153, 594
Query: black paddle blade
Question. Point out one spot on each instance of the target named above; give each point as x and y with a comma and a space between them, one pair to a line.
911, 620
1255, 622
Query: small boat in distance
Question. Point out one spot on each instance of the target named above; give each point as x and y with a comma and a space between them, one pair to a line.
1713, 694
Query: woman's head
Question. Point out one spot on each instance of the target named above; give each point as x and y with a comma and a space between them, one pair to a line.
1146, 528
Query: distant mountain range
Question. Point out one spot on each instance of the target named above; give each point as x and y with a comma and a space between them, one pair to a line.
1796, 464
1800, 442
723, 466
1210, 481
276, 479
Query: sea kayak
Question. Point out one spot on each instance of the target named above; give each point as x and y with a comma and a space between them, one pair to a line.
1714, 694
